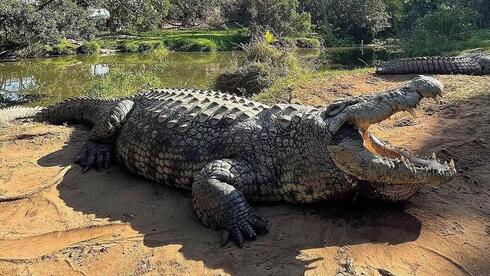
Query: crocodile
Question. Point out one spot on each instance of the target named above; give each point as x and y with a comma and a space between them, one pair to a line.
474, 64
229, 151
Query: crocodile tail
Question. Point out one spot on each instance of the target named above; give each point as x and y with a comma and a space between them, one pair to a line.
86, 110
13, 113
430, 65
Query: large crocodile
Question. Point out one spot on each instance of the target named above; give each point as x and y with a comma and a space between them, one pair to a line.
228, 150
474, 64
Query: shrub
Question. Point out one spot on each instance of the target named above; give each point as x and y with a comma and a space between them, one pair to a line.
439, 31
89, 48
192, 45
129, 47
244, 81
264, 64
145, 47
65, 47
307, 42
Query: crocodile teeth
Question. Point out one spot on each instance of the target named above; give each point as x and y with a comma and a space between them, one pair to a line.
452, 165
412, 112
434, 157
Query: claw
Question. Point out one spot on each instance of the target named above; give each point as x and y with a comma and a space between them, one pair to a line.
94, 155
412, 112
225, 237
237, 236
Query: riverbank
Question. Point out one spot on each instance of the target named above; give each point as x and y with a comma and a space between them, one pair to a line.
194, 40
60, 221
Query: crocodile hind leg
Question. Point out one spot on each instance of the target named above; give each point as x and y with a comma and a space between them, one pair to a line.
219, 202
97, 151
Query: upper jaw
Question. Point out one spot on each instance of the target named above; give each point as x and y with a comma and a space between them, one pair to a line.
402, 167
362, 156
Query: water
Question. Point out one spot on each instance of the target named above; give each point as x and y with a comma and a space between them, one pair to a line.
48, 80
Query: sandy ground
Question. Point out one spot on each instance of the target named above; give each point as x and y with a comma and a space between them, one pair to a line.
54, 220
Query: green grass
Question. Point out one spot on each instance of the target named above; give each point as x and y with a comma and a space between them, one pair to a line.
479, 39
184, 40
225, 40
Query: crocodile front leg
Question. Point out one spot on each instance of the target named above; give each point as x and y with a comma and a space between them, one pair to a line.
220, 204
98, 150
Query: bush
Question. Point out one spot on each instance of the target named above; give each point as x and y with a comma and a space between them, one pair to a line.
143, 47
129, 47
89, 48
192, 45
264, 63
65, 47
439, 31
307, 42
244, 81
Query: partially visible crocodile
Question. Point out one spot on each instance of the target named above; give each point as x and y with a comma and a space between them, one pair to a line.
228, 150
474, 64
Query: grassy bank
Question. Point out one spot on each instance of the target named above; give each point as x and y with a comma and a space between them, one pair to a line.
182, 40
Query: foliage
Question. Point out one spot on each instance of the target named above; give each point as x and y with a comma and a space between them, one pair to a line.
27, 23
192, 45
264, 64
280, 16
269, 37
304, 42
438, 31
65, 47
353, 19
136, 15
141, 46
190, 12
89, 48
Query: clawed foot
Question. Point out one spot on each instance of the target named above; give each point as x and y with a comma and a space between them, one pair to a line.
94, 155
243, 223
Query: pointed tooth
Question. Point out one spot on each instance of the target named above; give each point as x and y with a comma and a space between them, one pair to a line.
452, 165
412, 112
434, 157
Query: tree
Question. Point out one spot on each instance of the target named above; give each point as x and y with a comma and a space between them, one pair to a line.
439, 31
190, 12
43, 22
356, 19
280, 16
136, 15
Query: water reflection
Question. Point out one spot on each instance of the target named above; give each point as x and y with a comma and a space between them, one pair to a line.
15, 90
19, 84
99, 69
63, 77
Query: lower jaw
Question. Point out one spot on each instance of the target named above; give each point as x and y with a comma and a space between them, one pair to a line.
389, 192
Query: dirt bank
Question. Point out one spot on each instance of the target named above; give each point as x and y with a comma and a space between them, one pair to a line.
54, 220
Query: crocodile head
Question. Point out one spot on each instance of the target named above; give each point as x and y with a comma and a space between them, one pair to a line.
382, 170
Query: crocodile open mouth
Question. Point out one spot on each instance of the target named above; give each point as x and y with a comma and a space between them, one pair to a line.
393, 157
362, 155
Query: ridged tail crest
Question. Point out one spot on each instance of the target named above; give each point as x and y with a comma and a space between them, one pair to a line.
88, 110
13, 113
430, 65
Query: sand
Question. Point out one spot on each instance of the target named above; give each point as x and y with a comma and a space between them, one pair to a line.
56, 221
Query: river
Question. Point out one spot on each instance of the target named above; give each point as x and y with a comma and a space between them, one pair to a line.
47, 80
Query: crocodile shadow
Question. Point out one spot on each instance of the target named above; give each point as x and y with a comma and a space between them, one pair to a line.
164, 216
